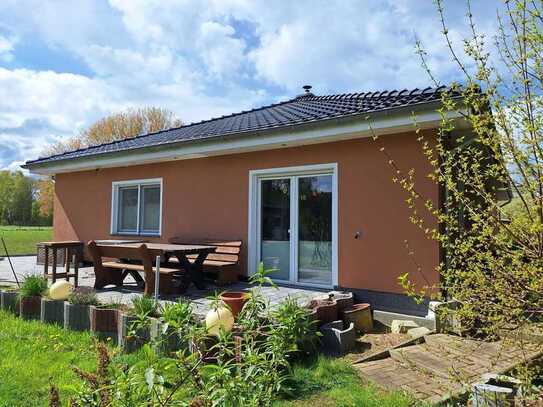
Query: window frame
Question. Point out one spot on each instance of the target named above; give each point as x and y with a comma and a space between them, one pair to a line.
139, 183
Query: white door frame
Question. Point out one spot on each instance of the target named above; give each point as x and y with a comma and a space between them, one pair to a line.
254, 231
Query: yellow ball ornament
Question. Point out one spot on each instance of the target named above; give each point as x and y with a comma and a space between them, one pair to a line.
60, 290
217, 319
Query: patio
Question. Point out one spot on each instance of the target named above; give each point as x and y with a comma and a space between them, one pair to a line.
26, 265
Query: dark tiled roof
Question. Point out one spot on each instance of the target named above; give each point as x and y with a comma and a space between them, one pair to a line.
302, 109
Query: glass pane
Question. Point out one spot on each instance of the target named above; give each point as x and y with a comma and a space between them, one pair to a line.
275, 223
150, 219
315, 230
128, 209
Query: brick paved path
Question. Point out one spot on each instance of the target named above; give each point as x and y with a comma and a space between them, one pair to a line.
436, 369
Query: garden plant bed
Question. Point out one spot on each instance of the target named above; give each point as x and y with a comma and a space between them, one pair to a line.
30, 359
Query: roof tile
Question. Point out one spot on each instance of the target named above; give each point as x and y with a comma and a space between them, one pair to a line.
301, 109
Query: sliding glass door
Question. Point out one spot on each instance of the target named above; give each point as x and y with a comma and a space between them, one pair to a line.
295, 228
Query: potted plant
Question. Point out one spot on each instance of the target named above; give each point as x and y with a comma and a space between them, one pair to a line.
104, 321
9, 299
30, 293
135, 323
168, 331
235, 300
76, 309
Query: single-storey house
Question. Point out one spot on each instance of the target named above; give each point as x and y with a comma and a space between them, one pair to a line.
301, 183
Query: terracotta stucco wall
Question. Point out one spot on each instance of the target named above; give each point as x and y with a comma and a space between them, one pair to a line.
208, 197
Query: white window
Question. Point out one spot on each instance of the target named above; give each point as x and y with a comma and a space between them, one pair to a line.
136, 207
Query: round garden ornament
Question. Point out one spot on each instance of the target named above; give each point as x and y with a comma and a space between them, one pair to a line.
217, 319
60, 290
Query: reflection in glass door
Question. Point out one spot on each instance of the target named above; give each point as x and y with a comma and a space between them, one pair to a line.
315, 229
275, 227
295, 228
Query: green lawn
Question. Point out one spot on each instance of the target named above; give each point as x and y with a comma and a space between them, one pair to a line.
23, 239
32, 354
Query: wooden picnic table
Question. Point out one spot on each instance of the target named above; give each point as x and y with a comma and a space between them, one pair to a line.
71, 248
180, 251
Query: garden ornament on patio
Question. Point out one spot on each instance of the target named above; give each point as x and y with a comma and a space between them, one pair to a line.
60, 290
219, 318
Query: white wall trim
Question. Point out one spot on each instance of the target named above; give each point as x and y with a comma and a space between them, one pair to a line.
254, 199
265, 140
115, 204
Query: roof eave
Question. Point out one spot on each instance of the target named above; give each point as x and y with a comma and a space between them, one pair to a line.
51, 167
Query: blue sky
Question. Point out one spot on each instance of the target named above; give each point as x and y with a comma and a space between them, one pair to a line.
65, 64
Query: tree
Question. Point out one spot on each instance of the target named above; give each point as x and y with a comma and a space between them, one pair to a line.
16, 197
43, 208
120, 126
493, 263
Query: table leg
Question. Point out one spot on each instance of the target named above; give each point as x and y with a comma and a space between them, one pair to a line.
76, 270
67, 263
46, 262
54, 267
194, 270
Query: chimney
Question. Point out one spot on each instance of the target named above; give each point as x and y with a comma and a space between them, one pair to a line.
307, 92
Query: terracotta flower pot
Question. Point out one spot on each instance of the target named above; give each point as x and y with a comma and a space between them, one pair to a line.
234, 300
360, 316
344, 300
30, 307
326, 310
104, 322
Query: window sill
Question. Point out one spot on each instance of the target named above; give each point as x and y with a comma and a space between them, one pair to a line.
118, 234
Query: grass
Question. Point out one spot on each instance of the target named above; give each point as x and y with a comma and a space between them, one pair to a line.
327, 382
33, 354
22, 239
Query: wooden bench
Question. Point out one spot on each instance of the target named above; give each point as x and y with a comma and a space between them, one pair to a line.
114, 272
223, 263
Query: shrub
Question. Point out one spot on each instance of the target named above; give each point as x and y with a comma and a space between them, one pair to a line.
33, 286
145, 306
81, 296
178, 314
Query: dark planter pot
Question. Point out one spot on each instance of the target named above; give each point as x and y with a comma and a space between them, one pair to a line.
30, 307
76, 317
235, 300
165, 340
360, 316
344, 300
104, 323
52, 311
326, 310
9, 301
338, 338
132, 341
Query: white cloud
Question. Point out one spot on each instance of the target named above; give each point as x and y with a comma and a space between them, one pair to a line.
203, 59
7, 45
